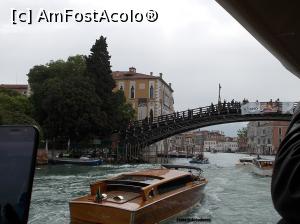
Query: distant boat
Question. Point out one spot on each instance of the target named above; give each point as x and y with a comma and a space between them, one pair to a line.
86, 161
263, 167
214, 151
245, 161
144, 197
200, 159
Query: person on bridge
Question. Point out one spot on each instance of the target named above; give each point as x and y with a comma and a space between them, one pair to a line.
212, 107
285, 186
224, 106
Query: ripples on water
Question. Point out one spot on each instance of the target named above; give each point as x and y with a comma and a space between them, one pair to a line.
232, 195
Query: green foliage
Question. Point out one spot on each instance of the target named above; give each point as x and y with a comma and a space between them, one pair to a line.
117, 111
11, 100
14, 108
64, 100
122, 113
242, 133
73, 99
99, 68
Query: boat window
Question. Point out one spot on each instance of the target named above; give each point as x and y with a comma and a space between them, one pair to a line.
127, 182
124, 187
174, 184
151, 194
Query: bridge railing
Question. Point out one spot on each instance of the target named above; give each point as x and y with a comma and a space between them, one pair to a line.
232, 107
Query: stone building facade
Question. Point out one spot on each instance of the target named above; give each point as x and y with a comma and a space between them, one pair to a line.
146, 93
149, 96
264, 137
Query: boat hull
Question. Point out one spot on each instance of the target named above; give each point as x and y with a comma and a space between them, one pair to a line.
199, 162
169, 207
85, 213
261, 171
94, 162
150, 212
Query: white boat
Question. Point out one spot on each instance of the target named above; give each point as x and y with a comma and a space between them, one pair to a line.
263, 167
245, 161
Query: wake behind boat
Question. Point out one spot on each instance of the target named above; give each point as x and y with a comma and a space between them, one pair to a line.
144, 197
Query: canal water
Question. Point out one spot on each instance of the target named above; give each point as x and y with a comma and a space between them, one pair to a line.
232, 195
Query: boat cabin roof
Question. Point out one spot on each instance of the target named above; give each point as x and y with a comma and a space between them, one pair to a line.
246, 159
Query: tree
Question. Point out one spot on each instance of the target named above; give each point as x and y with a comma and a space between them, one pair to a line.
74, 99
117, 111
242, 133
99, 69
15, 109
64, 100
123, 111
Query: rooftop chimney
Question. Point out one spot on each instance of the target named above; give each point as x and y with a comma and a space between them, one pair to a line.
160, 75
170, 84
151, 73
132, 69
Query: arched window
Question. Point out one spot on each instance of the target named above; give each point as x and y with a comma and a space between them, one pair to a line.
151, 92
132, 92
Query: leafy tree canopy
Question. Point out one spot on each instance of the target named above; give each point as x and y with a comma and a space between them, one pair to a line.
242, 133
14, 108
74, 100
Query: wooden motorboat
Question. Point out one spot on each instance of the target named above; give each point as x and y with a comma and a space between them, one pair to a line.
144, 197
263, 167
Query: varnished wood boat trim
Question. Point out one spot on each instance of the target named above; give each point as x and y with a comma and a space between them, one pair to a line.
162, 197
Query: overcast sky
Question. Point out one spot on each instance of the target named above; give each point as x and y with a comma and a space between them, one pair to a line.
196, 44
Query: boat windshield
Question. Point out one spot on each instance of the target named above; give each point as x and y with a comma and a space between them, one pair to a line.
139, 178
242, 160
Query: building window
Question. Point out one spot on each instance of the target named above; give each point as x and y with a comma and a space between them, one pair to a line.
269, 141
151, 92
132, 92
279, 130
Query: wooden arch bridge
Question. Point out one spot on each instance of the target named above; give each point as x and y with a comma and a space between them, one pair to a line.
142, 133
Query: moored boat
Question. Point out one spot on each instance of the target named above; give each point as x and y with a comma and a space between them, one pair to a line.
143, 197
263, 167
81, 161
